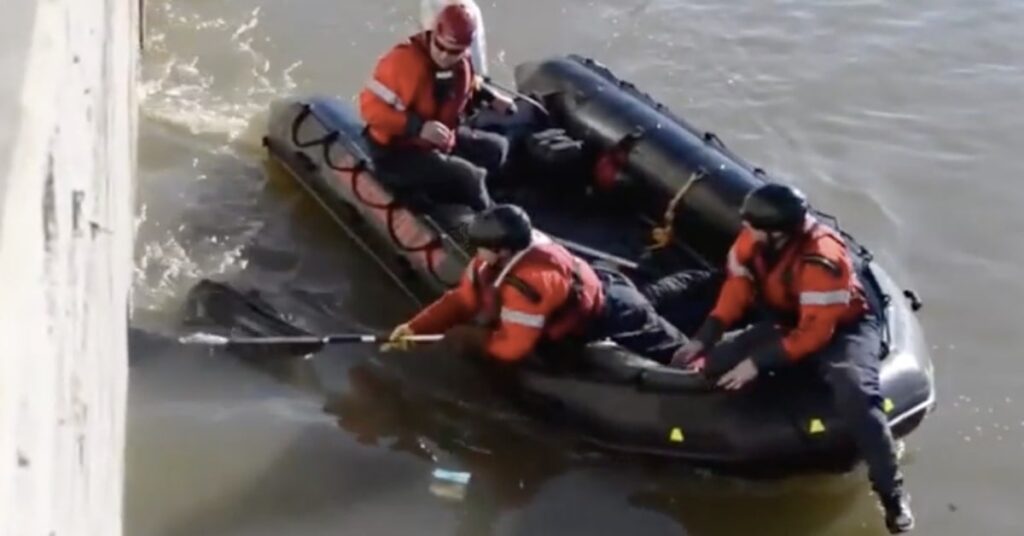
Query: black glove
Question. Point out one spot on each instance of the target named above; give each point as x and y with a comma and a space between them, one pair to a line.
710, 332
467, 339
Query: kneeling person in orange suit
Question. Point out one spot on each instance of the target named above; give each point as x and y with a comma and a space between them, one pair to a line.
519, 291
801, 274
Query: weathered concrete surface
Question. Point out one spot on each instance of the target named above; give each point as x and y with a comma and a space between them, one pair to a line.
67, 160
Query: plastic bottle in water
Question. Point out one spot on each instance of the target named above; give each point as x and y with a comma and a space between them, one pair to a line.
450, 485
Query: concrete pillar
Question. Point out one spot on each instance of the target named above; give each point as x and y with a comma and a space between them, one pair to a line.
67, 163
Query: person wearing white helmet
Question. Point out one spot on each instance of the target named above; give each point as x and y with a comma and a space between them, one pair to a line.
415, 105
429, 9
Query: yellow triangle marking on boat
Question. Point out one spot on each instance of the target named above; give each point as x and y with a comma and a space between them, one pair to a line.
817, 427
676, 436
888, 405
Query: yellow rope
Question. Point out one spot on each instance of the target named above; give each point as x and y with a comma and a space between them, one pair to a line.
663, 235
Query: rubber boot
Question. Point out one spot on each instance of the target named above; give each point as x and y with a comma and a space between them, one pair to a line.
898, 517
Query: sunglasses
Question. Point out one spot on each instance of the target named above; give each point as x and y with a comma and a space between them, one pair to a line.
452, 51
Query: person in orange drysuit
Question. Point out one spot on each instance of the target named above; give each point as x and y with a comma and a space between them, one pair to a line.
801, 273
413, 107
521, 289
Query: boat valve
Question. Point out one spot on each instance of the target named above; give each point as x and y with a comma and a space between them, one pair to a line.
915, 300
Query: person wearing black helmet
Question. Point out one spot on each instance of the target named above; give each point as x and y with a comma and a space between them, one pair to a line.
800, 272
521, 289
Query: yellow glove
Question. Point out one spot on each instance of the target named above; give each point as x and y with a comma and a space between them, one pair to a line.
397, 340
662, 236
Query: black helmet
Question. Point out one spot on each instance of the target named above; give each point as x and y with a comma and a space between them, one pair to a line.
775, 207
501, 227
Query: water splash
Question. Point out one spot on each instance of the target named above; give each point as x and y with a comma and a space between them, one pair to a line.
166, 266
210, 78
220, 95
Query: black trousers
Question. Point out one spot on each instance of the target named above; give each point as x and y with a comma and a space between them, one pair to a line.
849, 365
434, 177
685, 298
629, 319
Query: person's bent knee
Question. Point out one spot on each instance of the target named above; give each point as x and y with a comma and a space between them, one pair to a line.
849, 389
470, 180
485, 149
498, 148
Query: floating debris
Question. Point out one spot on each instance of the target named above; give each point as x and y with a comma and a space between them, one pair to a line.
449, 484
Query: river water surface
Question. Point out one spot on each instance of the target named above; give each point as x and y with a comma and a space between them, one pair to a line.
905, 119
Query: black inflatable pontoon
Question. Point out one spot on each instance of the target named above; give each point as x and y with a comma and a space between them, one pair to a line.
613, 398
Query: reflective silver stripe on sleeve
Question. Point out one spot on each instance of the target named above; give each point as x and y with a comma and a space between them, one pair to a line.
385, 94
519, 317
835, 297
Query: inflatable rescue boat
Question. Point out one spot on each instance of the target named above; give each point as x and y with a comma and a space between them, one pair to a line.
666, 197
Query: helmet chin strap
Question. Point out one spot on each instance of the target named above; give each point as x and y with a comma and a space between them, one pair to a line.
777, 240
